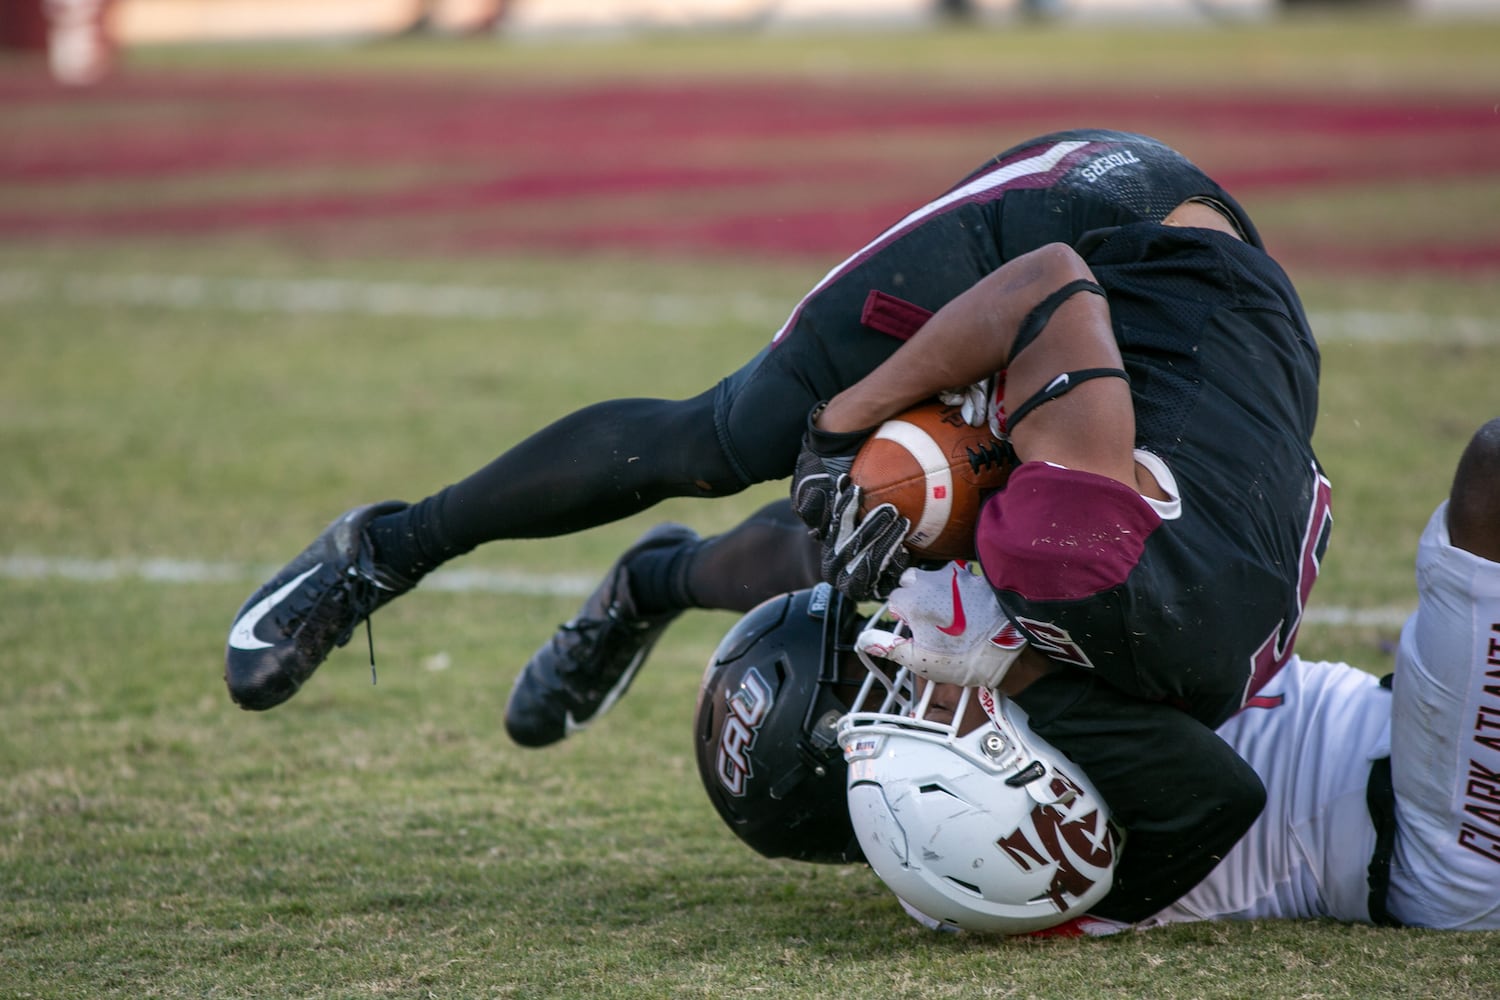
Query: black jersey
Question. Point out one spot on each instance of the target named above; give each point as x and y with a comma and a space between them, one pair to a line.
1224, 378
1056, 188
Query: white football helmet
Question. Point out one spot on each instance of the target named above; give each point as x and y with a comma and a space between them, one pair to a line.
981, 827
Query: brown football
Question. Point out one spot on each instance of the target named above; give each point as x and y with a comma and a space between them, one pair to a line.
934, 469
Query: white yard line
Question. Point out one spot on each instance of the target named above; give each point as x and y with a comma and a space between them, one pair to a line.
354, 297
515, 583
179, 571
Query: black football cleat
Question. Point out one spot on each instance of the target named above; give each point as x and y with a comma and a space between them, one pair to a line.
589, 663
289, 626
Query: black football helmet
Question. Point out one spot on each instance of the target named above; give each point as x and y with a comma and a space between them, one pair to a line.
766, 727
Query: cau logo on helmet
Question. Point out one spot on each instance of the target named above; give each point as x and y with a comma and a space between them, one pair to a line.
748, 708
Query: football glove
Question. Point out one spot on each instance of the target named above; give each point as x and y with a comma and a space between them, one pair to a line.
975, 402
951, 629
826, 456
863, 557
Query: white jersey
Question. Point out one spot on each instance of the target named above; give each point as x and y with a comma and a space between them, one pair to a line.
1445, 760
1311, 734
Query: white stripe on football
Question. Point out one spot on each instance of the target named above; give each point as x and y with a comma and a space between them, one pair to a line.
935, 470
937, 496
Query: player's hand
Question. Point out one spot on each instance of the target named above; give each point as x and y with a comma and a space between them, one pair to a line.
826, 457
863, 557
950, 629
975, 402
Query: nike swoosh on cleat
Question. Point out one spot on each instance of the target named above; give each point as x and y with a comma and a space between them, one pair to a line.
960, 622
243, 636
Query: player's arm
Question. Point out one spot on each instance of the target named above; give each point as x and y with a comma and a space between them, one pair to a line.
1042, 320
1035, 319
965, 341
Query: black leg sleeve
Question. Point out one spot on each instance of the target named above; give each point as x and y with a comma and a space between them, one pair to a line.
769, 553
1182, 794
597, 465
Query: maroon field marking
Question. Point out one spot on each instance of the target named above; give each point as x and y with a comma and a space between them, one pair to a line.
444, 167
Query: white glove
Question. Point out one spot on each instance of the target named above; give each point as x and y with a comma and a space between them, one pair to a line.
973, 401
952, 629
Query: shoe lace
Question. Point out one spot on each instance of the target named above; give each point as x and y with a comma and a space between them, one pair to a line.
581, 657
370, 635
364, 596
350, 599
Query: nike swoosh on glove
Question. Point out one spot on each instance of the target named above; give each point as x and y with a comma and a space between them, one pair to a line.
951, 630
863, 557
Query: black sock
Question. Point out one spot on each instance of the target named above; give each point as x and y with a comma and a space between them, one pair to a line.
410, 542
657, 578
769, 553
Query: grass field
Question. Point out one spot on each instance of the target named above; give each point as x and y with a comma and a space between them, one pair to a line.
244, 289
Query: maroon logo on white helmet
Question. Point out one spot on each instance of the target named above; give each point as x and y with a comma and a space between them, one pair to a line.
1080, 843
748, 708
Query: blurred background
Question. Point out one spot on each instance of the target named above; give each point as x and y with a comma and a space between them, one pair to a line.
81, 37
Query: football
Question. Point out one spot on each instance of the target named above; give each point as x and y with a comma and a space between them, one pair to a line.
934, 469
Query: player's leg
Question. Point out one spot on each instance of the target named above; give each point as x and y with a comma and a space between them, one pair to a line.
600, 464
590, 662
768, 554
596, 465
759, 416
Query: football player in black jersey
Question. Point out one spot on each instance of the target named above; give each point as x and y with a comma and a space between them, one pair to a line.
1159, 536
995, 256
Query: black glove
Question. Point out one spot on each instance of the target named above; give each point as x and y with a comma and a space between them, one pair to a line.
825, 457
863, 557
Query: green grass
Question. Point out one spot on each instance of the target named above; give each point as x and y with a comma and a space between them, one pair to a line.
389, 840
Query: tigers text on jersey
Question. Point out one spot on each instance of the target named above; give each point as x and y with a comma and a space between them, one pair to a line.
1445, 742
1311, 734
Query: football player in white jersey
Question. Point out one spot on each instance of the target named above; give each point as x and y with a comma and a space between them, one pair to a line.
1445, 720
1383, 795
1314, 733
